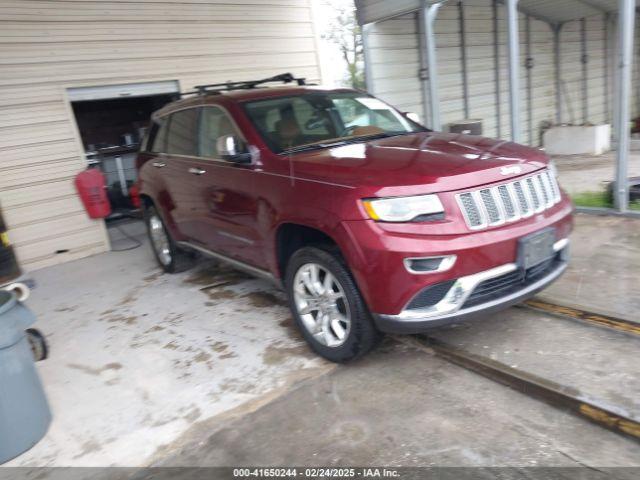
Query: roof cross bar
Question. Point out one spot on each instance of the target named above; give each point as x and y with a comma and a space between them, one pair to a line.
226, 86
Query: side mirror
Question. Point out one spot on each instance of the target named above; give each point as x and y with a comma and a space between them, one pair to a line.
233, 149
414, 117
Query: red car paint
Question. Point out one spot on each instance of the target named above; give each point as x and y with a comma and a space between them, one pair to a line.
323, 189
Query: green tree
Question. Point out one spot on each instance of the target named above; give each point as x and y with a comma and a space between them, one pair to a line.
344, 31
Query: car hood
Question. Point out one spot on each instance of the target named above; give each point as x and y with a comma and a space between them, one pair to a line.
428, 162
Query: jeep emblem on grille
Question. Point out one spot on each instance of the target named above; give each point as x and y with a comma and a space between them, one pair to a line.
510, 170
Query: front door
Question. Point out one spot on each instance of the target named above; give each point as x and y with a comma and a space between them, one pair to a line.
226, 220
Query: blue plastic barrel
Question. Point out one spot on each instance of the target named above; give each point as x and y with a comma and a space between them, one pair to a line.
24, 412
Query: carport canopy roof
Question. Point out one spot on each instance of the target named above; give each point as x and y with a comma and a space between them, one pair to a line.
551, 11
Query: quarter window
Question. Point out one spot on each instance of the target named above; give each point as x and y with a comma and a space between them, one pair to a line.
182, 136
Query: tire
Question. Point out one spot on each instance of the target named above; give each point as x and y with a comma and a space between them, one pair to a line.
170, 257
320, 311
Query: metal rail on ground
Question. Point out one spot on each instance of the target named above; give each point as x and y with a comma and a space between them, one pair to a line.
607, 321
564, 397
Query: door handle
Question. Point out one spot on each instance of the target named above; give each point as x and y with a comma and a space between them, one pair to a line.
197, 171
159, 164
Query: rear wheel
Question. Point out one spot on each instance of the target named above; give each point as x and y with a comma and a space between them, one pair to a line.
327, 305
171, 258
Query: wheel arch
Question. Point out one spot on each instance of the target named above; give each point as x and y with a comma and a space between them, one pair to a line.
291, 236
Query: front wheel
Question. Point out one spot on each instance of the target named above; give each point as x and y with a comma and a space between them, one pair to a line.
327, 305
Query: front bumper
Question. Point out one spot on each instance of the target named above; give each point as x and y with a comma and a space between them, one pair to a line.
452, 308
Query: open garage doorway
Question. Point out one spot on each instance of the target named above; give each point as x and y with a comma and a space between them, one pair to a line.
112, 121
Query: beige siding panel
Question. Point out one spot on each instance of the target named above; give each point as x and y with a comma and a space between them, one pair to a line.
49, 46
35, 194
11, 137
27, 214
396, 63
24, 156
38, 173
65, 248
55, 11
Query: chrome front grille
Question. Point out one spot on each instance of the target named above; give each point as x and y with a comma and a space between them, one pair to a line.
509, 202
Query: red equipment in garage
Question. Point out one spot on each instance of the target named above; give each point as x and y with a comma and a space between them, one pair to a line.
91, 186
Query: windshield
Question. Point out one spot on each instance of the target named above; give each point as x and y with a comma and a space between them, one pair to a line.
319, 120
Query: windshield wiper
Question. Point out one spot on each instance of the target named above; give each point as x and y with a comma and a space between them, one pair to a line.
346, 141
315, 146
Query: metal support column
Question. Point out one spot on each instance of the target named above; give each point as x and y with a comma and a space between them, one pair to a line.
463, 57
514, 67
626, 18
366, 48
529, 66
557, 73
428, 17
584, 59
496, 69
607, 66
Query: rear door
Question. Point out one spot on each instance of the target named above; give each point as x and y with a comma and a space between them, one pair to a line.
182, 184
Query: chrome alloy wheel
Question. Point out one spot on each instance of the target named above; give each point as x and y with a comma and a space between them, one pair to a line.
322, 304
159, 239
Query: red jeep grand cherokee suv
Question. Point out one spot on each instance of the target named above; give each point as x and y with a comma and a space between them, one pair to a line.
371, 222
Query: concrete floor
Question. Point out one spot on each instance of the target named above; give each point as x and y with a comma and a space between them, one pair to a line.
584, 173
604, 272
403, 407
205, 368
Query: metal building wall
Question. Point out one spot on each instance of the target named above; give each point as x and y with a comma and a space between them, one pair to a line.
487, 86
395, 62
47, 46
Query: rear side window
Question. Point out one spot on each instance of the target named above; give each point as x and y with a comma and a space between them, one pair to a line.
183, 130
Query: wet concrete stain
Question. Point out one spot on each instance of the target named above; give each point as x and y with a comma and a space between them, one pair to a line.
155, 328
216, 275
292, 330
88, 447
131, 296
66, 309
193, 415
223, 294
264, 299
202, 357
277, 355
232, 385
95, 371
152, 277
127, 320
218, 347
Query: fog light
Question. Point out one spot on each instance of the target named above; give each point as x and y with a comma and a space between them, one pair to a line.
423, 265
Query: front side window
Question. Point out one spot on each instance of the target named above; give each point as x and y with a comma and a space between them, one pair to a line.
317, 120
214, 123
182, 133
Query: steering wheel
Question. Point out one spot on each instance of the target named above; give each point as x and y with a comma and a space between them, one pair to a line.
348, 131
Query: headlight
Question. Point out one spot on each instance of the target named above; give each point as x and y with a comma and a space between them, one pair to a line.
552, 168
402, 209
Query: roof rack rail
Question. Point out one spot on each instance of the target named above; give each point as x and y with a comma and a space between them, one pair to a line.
216, 88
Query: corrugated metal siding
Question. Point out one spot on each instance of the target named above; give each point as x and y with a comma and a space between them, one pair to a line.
48, 46
375, 10
394, 54
447, 32
481, 69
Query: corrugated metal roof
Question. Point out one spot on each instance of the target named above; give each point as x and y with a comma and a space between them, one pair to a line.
551, 11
